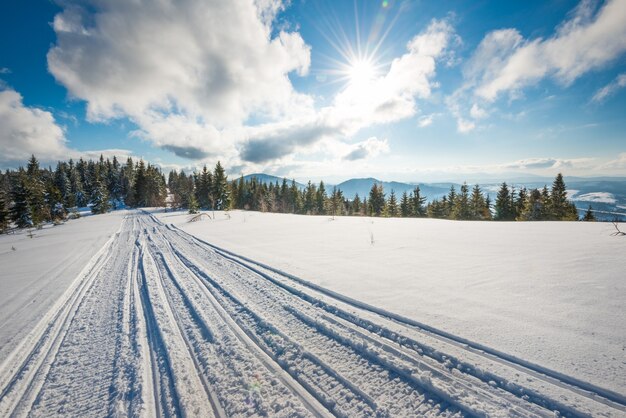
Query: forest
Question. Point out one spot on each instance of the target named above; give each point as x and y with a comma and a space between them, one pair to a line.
32, 196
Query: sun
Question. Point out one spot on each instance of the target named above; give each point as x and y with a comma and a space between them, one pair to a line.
361, 72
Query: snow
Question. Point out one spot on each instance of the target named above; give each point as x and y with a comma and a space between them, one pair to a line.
36, 271
551, 293
598, 197
158, 322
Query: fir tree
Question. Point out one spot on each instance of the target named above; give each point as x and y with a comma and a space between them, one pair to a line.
219, 188
589, 216
558, 199
21, 210
533, 208
461, 208
320, 199
36, 193
356, 204
477, 204
4, 210
193, 204
99, 198
392, 205
376, 200
503, 208
417, 203
405, 205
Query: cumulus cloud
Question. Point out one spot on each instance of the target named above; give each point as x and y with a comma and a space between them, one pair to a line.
464, 126
545, 163
369, 148
588, 40
193, 75
27, 130
385, 99
199, 66
617, 163
610, 89
425, 120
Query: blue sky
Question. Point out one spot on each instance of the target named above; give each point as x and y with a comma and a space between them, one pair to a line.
403, 90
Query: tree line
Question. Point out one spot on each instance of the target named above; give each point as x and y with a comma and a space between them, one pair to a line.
33, 195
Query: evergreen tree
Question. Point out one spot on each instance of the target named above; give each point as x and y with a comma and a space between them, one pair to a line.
450, 202
336, 202
140, 187
99, 198
533, 208
36, 193
320, 199
4, 210
376, 200
405, 205
477, 204
356, 204
461, 207
589, 216
417, 203
392, 205
504, 211
21, 211
193, 204
220, 196
558, 199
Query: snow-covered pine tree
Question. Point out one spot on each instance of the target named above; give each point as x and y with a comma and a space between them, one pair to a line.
99, 198
4, 210
21, 210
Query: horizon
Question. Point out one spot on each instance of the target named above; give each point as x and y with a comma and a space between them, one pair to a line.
394, 90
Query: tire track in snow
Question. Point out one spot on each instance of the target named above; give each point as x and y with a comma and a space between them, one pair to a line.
285, 281
245, 339
24, 371
306, 363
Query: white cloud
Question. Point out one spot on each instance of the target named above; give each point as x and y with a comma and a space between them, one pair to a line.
369, 148
387, 98
588, 40
27, 130
5, 70
618, 163
477, 112
465, 126
610, 89
546, 163
425, 120
200, 66
193, 76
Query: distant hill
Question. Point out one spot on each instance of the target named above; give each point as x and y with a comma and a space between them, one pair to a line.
363, 186
268, 178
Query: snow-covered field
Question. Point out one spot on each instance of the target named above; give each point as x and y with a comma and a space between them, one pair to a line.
34, 272
161, 323
553, 293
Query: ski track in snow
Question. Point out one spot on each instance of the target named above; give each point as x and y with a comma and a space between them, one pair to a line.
160, 323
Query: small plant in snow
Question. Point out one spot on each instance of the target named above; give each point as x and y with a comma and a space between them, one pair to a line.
618, 232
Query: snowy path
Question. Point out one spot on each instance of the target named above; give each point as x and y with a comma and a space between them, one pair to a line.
162, 324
